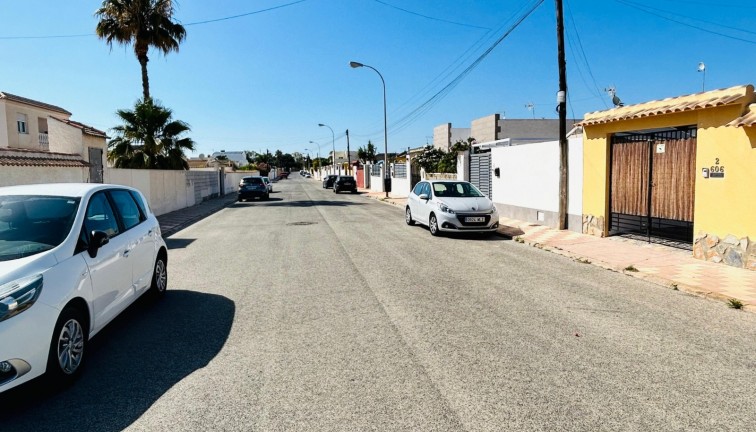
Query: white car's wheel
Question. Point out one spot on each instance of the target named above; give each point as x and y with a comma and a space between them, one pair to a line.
160, 277
433, 225
67, 348
408, 216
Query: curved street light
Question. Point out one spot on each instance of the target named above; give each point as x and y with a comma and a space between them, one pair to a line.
313, 142
386, 175
333, 144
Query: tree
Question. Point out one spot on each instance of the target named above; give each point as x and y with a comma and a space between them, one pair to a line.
142, 23
366, 154
429, 159
149, 138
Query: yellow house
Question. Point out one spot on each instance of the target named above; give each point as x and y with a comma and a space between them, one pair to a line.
682, 168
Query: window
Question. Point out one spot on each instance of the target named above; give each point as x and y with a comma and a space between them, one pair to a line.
100, 216
140, 202
418, 188
21, 123
127, 208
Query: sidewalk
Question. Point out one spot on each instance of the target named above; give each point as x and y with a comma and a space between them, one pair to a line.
182, 218
663, 265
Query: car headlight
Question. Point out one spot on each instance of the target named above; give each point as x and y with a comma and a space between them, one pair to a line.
19, 295
444, 208
493, 209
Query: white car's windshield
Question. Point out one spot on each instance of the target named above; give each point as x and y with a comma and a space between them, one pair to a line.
455, 190
30, 224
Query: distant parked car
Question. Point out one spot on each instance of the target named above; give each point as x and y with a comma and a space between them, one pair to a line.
283, 175
72, 258
267, 182
252, 187
450, 206
307, 175
328, 181
345, 183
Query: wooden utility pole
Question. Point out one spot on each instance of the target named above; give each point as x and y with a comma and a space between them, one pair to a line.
349, 158
562, 109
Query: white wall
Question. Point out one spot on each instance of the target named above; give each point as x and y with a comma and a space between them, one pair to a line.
376, 183
3, 125
529, 179
400, 187
64, 138
21, 175
166, 190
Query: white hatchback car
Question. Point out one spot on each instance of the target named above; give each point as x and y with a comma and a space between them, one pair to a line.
72, 257
267, 182
449, 205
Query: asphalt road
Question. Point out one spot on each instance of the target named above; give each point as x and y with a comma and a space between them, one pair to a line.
320, 312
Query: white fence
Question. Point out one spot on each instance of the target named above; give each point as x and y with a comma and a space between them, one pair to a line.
527, 185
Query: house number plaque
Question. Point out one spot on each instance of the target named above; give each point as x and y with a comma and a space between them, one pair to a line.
716, 170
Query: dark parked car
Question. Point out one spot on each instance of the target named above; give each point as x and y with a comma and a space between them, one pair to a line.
328, 180
345, 183
253, 187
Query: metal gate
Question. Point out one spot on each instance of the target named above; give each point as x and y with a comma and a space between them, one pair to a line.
652, 183
480, 172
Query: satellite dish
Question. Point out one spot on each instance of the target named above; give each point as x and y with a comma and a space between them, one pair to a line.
701, 67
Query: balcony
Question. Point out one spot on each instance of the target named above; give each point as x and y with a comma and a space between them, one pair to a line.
44, 143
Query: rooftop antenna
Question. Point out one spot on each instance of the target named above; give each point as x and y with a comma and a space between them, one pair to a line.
702, 68
531, 107
615, 99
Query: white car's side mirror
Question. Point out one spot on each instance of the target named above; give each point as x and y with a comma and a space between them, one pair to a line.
423, 197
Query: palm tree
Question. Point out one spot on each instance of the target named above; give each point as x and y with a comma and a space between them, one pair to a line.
149, 138
143, 23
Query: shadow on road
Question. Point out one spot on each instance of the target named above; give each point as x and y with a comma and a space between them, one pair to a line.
130, 365
278, 202
473, 236
178, 243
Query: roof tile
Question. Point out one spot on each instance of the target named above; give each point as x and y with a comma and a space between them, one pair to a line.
714, 98
32, 102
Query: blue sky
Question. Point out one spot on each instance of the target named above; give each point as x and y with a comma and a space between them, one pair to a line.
265, 80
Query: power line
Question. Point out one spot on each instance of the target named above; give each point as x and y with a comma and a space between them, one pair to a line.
244, 14
582, 51
643, 8
185, 25
448, 71
427, 105
430, 17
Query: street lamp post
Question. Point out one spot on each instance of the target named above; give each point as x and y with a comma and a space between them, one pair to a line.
386, 175
308, 156
313, 142
333, 144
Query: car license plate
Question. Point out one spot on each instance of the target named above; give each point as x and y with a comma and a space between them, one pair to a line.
475, 219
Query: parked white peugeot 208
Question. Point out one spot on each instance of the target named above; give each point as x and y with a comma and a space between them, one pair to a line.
450, 205
72, 257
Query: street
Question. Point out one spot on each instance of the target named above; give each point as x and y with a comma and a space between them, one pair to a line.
317, 312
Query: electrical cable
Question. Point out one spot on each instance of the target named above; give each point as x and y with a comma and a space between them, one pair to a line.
410, 118
446, 73
430, 17
584, 57
185, 25
645, 9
